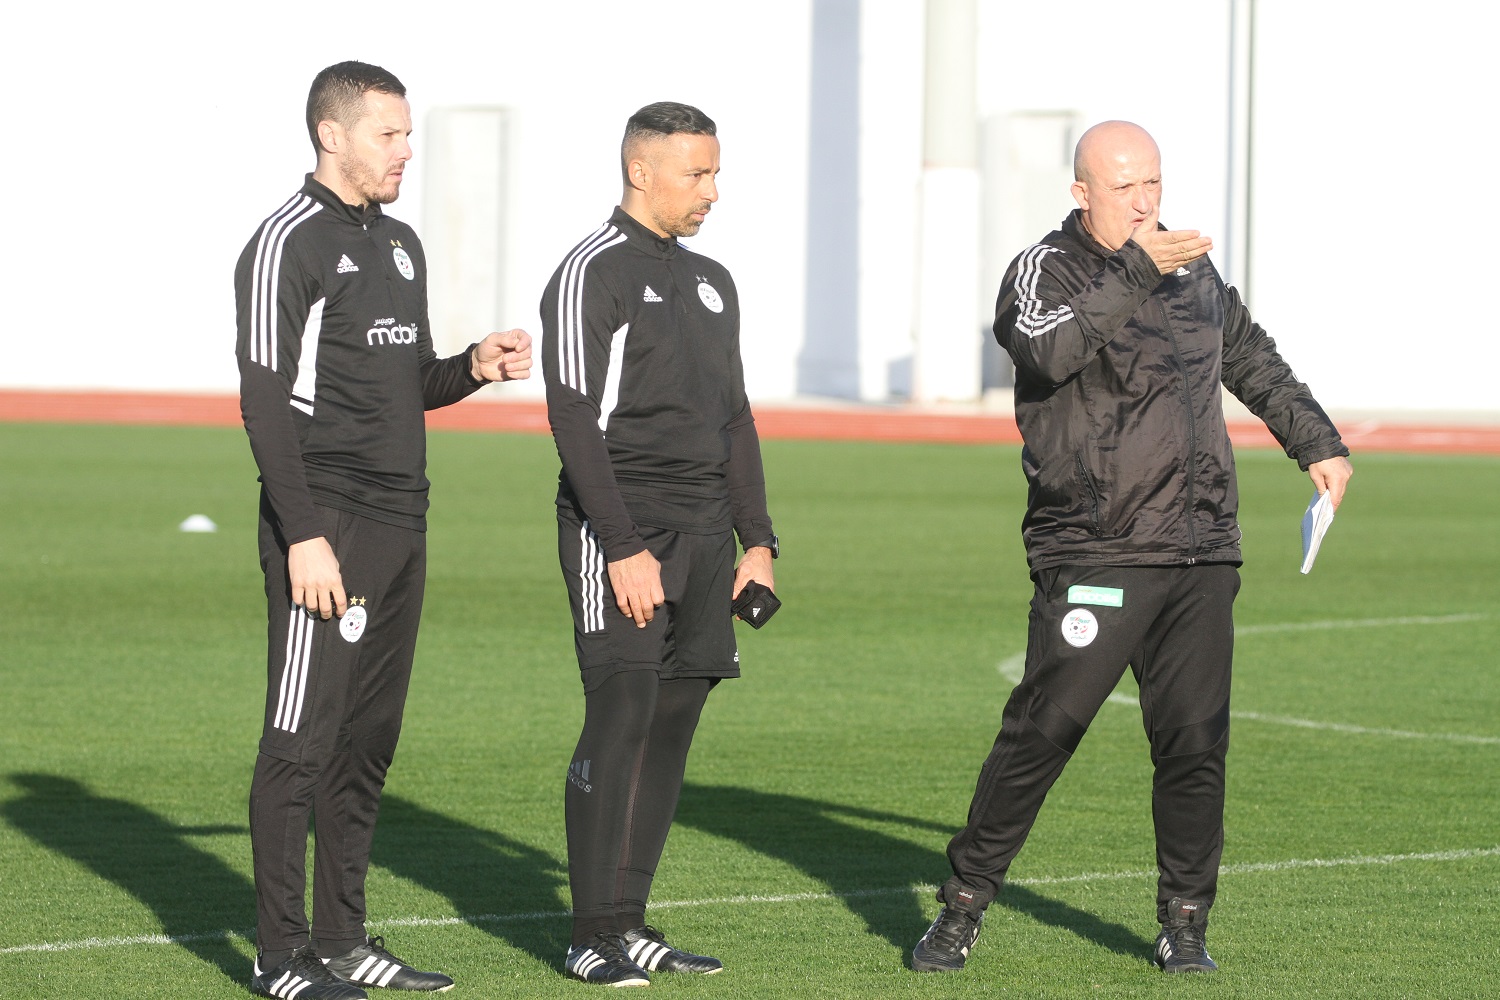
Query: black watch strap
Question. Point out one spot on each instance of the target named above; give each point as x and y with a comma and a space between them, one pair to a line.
773, 543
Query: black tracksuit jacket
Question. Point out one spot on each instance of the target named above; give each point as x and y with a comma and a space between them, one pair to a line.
336, 363
646, 393
1118, 375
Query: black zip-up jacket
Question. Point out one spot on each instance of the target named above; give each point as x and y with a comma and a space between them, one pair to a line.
336, 363
646, 392
1118, 374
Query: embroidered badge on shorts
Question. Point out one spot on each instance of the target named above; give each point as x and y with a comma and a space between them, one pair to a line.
352, 625
1080, 627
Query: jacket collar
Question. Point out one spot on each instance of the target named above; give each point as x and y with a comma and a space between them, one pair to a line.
642, 238
352, 214
1073, 227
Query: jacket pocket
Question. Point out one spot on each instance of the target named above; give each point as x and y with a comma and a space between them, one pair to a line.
1090, 495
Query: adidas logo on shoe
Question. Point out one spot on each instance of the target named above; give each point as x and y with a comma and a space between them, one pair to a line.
603, 961
372, 965
346, 265
302, 977
945, 946
1182, 945
650, 296
649, 949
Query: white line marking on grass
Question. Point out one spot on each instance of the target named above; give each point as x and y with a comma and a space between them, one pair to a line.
126, 942
1339, 727
1348, 623
1244, 868
1013, 667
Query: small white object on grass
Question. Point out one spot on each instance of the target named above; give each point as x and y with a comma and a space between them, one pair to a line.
198, 522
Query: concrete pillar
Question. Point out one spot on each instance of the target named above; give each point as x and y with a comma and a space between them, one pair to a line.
946, 358
463, 223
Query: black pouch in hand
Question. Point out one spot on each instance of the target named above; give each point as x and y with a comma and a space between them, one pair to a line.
756, 604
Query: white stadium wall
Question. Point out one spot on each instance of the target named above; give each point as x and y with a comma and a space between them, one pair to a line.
149, 141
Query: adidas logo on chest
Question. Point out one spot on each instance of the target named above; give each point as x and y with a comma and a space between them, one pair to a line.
650, 296
346, 265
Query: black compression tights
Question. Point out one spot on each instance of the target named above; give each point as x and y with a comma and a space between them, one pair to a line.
622, 791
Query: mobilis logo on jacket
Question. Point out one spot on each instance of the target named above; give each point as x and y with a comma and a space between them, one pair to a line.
388, 331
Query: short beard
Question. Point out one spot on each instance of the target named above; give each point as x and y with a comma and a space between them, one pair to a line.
361, 179
685, 226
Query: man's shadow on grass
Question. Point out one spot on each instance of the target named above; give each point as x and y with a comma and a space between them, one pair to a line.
834, 844
207, 907
202, 903
508, 889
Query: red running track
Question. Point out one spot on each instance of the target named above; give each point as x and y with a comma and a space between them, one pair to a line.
851, 423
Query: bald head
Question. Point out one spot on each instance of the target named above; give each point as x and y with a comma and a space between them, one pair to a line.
1117, 180
1109, 141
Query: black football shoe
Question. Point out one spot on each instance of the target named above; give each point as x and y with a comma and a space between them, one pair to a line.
602, 960
1182, 945
945, 946
302, 977
648, 948
371, 965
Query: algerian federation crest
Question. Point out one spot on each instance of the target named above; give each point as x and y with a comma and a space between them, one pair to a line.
404, 264
352, 625
1080, 627
710, 297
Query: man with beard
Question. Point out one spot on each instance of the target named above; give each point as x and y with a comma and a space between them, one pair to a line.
336, 369
1122, 334
661, 469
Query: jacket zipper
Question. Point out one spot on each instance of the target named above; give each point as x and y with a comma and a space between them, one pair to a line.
1088, 483
1192, 437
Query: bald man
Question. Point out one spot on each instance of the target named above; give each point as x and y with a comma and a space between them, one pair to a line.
1122, 334
660, 470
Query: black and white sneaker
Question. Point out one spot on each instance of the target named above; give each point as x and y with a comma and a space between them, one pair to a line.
371, 965
1182, 945
302, 977
648, 948
945, 946
603, 960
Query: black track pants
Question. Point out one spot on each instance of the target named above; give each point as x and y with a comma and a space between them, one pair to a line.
1173, 626
622, 792
334, 702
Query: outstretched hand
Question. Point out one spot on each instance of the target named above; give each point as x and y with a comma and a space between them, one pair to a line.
1170, 248
503, 357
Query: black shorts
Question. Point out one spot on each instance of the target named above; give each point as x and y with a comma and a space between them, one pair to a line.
692, 633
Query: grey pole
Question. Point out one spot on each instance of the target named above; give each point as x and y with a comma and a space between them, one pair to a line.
946, 355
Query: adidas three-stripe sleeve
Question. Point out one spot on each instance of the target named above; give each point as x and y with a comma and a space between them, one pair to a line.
583, 335
277, 298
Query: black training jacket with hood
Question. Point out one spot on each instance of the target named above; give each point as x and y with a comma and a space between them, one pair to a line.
1118, 375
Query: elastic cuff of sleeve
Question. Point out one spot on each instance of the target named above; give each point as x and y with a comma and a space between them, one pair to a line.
469, 368
1138, 264
633, 545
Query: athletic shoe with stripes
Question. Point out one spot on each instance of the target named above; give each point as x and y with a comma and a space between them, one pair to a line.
945, 946
603, 960
371, 965
1182, 945
302, 977
648, 948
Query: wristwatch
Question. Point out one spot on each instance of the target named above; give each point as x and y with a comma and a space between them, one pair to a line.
773, 543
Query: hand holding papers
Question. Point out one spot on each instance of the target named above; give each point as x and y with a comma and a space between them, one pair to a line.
1314, 526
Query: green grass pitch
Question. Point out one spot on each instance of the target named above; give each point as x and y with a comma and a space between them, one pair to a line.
1363, 850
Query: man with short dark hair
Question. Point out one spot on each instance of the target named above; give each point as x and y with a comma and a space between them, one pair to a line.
1122, 334
660, 469
336, 369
